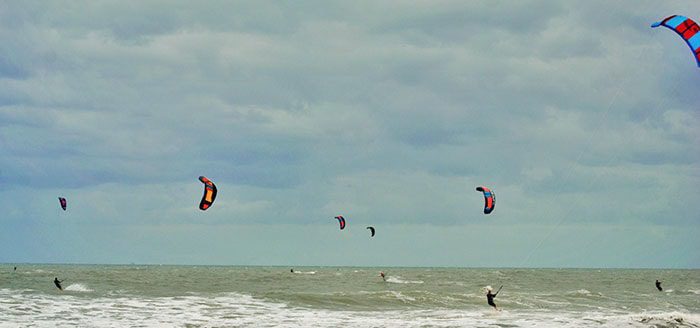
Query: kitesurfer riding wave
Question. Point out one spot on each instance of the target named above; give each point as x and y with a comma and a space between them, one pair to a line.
490, 296
58, 283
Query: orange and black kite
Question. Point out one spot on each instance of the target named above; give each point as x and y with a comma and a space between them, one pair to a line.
209, 193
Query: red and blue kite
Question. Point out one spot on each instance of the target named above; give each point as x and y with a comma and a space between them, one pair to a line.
687, 29
489, 199
341, 221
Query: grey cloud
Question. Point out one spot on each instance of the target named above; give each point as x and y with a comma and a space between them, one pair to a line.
384, 112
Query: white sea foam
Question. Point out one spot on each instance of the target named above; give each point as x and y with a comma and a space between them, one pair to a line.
398, 280
78, 288
670, 319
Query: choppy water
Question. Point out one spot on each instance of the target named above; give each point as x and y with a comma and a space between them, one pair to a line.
219, 296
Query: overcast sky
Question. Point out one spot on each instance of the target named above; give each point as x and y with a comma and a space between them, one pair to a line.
581, 118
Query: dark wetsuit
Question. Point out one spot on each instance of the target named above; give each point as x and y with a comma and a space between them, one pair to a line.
658, 285
490, 298
57, 283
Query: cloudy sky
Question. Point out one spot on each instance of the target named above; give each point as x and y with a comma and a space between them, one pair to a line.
580, 117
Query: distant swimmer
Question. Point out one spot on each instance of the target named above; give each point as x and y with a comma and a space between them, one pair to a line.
58, 283
381, 274
658, 285
291, 270
15, 268
490, 296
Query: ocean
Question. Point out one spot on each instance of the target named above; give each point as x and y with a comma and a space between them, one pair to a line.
239, 296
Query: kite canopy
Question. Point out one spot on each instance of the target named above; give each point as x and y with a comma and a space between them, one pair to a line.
489, 199
687, 29
63, 202
341, 221
209, 193
371, 229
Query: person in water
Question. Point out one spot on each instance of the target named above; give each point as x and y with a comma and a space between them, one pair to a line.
490, 296
58, 283
658, 285
291, 270
381, 274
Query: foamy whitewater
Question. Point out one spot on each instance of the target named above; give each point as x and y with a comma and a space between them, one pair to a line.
219, 296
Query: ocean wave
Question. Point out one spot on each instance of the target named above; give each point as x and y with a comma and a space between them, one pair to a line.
242, 310
583, 292
401, 297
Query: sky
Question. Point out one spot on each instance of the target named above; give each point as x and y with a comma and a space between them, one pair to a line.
579, 116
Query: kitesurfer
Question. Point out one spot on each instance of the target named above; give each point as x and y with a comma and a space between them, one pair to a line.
658, 285
381, 274
58, 283
490, 296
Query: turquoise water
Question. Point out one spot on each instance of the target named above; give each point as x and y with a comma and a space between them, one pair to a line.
231, 296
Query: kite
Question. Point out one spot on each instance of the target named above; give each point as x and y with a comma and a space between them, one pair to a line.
489, 199
209, 193
371, 229
687, 29
341, 221
63, 202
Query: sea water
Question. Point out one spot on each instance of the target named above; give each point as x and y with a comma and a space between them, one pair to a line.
234, 296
